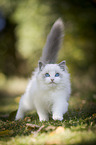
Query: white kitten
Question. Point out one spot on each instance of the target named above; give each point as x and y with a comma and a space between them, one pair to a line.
49, 89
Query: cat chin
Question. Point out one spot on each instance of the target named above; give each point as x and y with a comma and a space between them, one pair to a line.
48, 86
52, 85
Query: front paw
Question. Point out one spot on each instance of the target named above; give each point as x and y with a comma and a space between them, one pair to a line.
43, 119
57, 117
19, 117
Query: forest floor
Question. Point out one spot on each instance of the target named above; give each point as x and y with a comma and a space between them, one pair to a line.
78, 126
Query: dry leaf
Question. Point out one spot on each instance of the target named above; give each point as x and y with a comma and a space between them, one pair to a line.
32, 126
28, 119
94, 115
59, 129
36, 132
50, 128
6, 132
40, 128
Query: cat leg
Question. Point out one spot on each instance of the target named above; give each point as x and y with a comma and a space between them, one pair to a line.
59, 108
20, 113
24, 106
42, 113
43, 116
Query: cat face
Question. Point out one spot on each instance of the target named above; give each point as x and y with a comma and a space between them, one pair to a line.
51, 74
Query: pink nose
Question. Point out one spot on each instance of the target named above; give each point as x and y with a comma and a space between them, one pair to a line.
52, 80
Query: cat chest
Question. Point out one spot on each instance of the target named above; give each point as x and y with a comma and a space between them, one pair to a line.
45, 99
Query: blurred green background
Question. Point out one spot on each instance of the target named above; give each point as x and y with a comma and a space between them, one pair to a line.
24, 26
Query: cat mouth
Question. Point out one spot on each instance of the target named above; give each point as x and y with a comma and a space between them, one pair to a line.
52, 83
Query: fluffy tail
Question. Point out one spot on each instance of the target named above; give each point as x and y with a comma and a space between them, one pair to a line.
53, 42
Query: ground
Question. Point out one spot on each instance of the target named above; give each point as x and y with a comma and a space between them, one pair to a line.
78, 126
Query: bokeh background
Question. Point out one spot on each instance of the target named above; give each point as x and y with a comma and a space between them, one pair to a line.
24, 26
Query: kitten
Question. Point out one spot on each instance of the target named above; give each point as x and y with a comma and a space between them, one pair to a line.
49, 89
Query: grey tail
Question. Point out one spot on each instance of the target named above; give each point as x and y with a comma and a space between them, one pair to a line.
53, 43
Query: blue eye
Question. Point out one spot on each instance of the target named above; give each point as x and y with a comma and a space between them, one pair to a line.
47, 75
57, 75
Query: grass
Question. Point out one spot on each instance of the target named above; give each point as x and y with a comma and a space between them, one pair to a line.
78, 126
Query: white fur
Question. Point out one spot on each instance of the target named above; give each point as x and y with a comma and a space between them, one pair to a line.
44, 96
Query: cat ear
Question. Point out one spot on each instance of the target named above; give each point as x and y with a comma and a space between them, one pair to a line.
41, 65
62, 65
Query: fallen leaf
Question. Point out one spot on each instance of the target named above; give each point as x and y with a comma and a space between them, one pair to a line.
40, 128
6, 132
94, 115
28, 119
36, 132
50, 128
58, 130
32, 126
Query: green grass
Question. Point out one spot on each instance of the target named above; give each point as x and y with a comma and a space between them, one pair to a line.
78, 126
